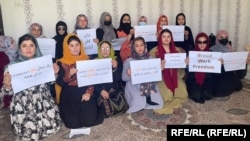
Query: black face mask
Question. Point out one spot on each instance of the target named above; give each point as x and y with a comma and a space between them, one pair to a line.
107, 23
223, 41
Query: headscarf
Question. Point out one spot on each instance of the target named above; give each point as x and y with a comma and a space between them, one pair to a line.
77, 27
199, 76
176, 19
109, 33
59, 39
124, 27
142, 17
169, 75
112, 52
218, 46
22, 58
134, 54
67, 57
41, 28
159, 22
8, 46
145, 88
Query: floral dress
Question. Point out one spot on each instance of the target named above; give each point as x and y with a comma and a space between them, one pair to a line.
33, 113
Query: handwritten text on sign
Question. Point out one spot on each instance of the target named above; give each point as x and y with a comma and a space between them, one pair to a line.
87, 36
235, 60
36, 71
94, 72
145, 70
204, 61
175, 60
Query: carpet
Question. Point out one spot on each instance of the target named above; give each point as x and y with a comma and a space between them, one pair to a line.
145, 125
147, 119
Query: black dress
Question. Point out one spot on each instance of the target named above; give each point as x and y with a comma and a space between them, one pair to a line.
74, 112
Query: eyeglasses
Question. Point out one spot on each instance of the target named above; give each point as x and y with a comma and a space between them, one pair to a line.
201, 42
61, 28
106, 49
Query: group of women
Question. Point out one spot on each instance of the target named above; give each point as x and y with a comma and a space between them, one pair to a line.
35, 114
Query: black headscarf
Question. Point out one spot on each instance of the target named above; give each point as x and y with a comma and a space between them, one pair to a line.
125, 26
59, 39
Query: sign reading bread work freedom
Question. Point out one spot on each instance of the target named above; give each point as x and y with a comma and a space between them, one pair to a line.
94, 72
36, 71
87, 36
235, 60
148, 32
205, 61
47, 46
175, 60
148, 70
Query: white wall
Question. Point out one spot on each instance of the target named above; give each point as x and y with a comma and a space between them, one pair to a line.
202, 15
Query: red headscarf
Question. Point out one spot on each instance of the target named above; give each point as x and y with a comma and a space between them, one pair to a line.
159, 22
169, 75
199, 76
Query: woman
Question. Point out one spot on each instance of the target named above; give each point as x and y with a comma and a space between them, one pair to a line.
144, 95
61, 32
200, 85
78, 105
82, 24
8, 53
142, 20
36, 30
111, 98
33, 112
172, 87
188, 43
125, 27
106, 30
227, 81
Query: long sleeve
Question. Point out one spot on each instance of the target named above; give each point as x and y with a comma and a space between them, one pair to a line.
126, 66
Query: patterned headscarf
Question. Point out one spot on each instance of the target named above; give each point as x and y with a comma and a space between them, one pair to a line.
8, 46
112, 52
169, 74
199, 76
109, 33
68, 58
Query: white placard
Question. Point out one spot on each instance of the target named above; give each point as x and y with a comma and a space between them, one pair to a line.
235, 60
117, 43
47, 46
177, 31
148, 70
87, 36
31, 73
94, 72
175, 60
205, 61
148, 32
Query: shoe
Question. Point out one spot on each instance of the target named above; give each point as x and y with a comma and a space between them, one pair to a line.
148, 99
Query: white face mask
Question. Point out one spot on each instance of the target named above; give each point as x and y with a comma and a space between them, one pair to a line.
142, 23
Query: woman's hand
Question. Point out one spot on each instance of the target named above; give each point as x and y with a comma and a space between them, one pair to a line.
105, 94
129, 72
114, 63
163, 64
72, 71
86, 97
96, 41
7, 81
187, 61
56, 68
